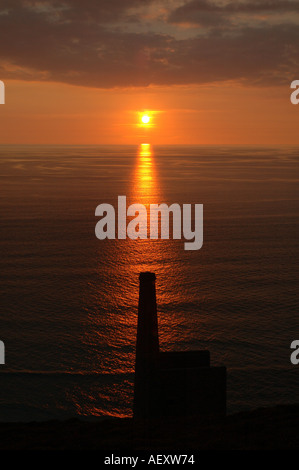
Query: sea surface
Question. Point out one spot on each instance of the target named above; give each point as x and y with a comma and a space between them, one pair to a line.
69, 301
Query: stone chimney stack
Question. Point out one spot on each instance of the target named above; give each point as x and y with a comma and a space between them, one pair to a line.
147, 347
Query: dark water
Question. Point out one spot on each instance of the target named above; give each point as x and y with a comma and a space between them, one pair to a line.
69, 300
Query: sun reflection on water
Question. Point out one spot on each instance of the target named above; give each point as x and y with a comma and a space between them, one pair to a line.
145, 188
112, 302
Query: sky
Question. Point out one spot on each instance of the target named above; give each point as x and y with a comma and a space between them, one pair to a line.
205, 71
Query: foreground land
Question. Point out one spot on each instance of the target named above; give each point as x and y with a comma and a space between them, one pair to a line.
267, 428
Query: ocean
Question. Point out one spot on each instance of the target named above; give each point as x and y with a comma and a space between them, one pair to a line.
69, 301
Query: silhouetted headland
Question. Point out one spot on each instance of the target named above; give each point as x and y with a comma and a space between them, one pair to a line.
266, 428
172, 383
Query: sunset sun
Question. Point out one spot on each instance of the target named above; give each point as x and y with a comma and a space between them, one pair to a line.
145, 119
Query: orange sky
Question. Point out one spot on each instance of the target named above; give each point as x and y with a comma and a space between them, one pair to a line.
210, 71
54, 113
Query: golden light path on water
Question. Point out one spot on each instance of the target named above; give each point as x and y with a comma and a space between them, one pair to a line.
149, 254
115, 301
145, 177
145, 187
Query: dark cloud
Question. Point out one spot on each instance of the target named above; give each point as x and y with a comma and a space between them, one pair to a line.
206, 13
37, 43
73, 10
